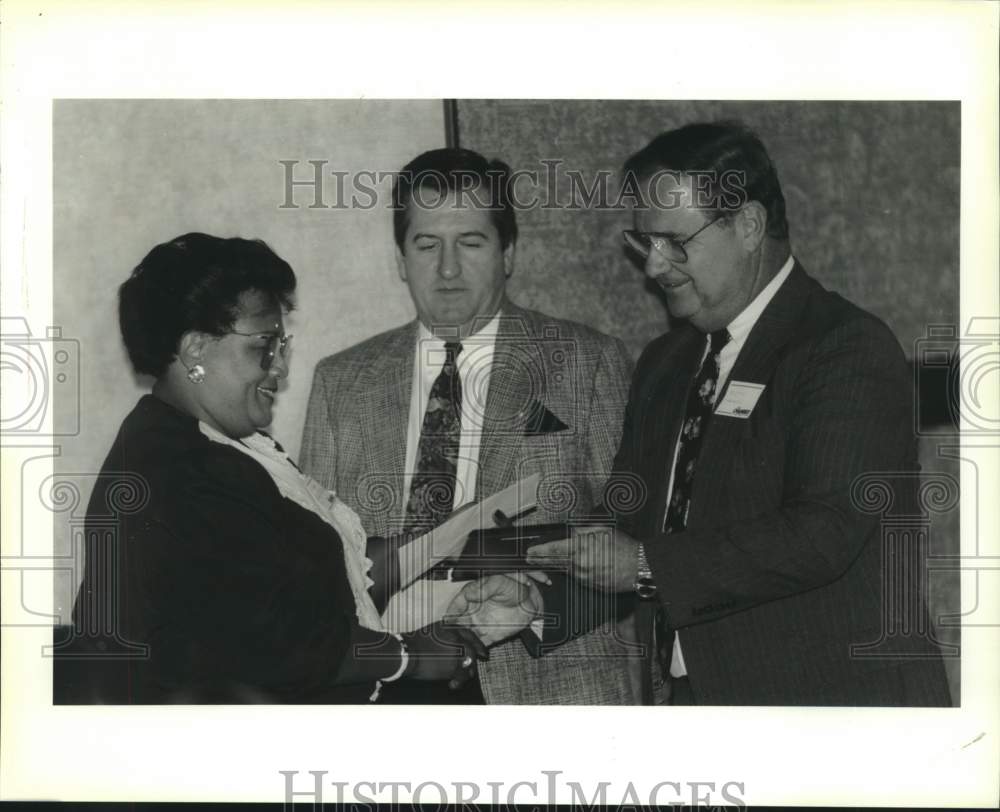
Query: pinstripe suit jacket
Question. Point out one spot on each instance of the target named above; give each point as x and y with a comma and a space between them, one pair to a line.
355, 442
779, 573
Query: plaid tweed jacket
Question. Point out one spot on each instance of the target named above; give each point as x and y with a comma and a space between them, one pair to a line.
355, 442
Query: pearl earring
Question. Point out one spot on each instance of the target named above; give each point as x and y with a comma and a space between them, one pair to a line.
196, 374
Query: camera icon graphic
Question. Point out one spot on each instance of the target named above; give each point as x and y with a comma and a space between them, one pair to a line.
954, 374
41, 381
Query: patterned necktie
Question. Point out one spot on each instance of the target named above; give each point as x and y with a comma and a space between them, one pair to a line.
432, 491
696, 416
700, 403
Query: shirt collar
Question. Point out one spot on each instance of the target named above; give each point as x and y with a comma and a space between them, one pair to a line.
477, 349
487, 334
740, 327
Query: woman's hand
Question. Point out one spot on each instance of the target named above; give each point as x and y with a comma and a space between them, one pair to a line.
384, 555
444, 651
496, 607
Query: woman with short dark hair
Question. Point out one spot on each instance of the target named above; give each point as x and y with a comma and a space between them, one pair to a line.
236, 577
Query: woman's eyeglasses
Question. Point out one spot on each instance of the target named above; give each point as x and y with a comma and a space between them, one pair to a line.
276, 342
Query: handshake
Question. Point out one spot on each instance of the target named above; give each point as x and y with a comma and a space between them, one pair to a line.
546, 584
515, 569
498, 606
502, 597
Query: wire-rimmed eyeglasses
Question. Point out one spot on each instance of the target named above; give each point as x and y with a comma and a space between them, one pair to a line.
668, 246
276, 342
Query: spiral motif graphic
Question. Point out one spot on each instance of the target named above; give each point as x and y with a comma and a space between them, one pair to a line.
558, 495
437, 497
872, 493
59, 495
127, 493
376, 493
939, 493
25, 373
625, 493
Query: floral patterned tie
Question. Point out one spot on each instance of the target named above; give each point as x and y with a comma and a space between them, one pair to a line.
701, 400
432, 491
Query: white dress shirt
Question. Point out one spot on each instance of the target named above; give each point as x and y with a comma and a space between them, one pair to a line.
474, 365
739, 328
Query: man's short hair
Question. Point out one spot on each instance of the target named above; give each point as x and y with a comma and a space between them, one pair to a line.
441, 171
729, 154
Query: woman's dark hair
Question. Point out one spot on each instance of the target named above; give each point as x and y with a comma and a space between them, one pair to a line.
727, 154
452, 169
193, 282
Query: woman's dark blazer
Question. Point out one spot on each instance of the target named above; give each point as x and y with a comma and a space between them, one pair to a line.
203, 584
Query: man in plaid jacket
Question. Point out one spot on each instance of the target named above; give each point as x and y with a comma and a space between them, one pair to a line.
538, 395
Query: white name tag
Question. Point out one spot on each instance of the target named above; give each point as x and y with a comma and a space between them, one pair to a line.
740, 398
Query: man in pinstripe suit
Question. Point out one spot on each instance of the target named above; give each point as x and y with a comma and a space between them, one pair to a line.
750, 423
538, 395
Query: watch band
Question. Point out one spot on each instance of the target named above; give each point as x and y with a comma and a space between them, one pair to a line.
645, 586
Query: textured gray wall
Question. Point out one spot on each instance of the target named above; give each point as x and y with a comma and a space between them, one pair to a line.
872, 190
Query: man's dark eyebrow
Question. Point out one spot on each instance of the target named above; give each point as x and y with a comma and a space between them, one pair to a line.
474, 233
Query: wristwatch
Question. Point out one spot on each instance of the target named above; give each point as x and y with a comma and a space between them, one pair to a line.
645, 586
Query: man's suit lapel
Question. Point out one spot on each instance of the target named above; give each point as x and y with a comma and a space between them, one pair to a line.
513, 391
774, 328
662, 408
385, 410
756, 363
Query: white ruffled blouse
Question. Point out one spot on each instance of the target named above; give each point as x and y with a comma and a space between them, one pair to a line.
309, 494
